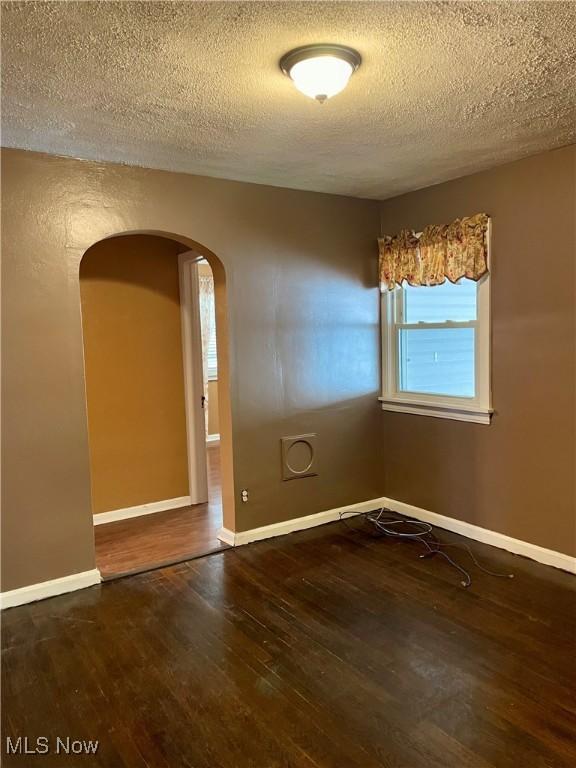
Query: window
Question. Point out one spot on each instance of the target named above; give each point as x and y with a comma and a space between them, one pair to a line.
211, 357
436, 350
208, 325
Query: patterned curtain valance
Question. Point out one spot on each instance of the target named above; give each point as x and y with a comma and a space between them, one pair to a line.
448, 251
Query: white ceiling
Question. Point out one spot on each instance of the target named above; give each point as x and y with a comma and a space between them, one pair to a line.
445, 89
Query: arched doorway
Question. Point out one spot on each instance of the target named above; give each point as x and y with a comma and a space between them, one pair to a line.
143, 403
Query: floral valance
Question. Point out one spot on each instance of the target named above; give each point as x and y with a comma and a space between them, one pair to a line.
447, 251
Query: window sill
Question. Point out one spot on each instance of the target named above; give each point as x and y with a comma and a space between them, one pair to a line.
476, 415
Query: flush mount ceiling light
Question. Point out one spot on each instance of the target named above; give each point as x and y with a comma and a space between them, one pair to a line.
320, 71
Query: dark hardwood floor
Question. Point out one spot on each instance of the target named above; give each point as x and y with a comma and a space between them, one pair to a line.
163, 538
325, 648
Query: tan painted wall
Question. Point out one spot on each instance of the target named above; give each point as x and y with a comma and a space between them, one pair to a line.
131, 321
515, 476
301, 328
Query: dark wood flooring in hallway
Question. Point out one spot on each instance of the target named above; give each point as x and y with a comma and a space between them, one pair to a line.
322, 649
163, 538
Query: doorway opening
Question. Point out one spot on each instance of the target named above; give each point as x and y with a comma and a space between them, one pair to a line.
154, 390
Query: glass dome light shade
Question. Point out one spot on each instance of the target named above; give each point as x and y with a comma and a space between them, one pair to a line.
320, 71
321, 77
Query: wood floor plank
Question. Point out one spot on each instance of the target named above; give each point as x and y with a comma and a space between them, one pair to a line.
151, 541
322, 649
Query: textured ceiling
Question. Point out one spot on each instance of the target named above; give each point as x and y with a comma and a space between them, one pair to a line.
445, 89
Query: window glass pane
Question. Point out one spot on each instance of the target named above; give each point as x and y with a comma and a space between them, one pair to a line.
437, 361
211, 357
437, 303
208, 325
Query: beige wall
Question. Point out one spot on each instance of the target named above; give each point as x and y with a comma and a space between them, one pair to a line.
131, 323
302, 335
515, 476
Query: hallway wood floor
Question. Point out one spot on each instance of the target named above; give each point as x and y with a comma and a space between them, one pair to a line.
322, 649
163, 538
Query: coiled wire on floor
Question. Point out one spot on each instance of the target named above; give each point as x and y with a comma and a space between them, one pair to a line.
420, 532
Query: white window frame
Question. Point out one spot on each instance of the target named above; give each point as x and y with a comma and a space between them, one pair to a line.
476, 409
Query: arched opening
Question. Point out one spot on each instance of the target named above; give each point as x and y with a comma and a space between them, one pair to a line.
145, 394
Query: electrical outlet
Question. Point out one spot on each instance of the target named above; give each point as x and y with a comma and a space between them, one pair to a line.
244, 495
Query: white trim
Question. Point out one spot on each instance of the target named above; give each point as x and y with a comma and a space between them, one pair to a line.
494, 539
442, 412
143, 509
227, 536
51, 588
297, 524
193, 376
213, 439
484, 535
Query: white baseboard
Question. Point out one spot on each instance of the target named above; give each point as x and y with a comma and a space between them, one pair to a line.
475, 532
227, 536
297, 524
518, 547
212, 439
143, 509
51, 588
77, 581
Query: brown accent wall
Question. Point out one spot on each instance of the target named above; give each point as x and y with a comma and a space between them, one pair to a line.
515, 476
301, 330
131, 323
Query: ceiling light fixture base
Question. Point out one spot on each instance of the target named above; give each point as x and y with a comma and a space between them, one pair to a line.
321, 49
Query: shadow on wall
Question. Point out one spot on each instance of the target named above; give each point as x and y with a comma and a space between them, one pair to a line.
124, 259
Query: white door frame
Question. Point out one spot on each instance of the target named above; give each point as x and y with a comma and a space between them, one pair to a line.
193, 376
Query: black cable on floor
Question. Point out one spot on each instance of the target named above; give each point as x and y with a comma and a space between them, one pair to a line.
422, 533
